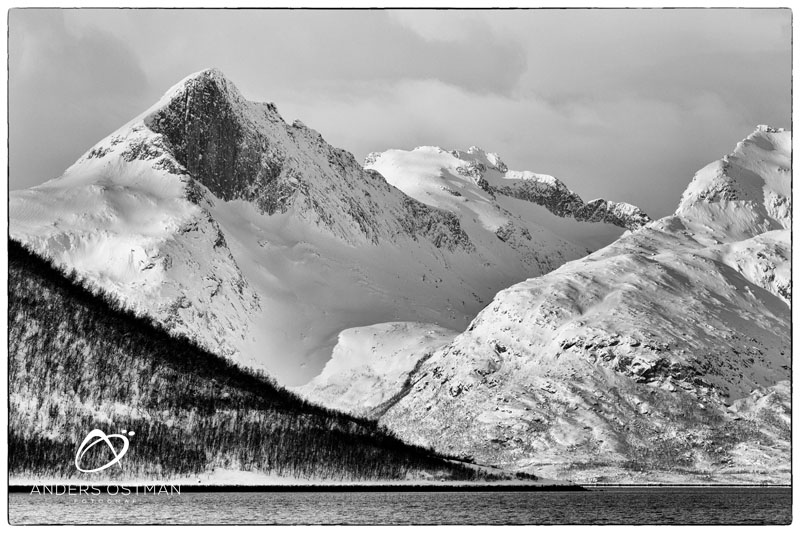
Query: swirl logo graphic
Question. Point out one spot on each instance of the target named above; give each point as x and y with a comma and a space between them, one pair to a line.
95, 437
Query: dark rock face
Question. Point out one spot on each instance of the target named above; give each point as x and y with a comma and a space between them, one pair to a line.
218, 147
242, 150
441, 227
613, 213
561, 201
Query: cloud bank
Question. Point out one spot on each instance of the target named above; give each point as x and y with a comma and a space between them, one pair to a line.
625, 104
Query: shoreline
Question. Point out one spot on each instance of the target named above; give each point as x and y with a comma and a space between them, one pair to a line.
27, 488
686, 486
185, 488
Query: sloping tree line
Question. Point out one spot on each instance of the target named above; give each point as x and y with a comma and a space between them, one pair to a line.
78, 360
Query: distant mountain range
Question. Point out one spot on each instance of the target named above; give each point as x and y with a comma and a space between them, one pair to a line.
481, 311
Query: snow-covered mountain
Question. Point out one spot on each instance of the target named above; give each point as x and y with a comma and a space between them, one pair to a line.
490, 197
263, 242
664, 356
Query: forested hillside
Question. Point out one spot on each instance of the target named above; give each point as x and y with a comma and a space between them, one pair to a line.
79, 361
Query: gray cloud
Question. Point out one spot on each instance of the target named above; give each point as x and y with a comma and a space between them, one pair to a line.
642, 151
291, 47
625, 104
66, 90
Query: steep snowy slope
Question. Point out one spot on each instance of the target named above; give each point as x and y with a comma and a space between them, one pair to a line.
370, 364
140, 227
260, 240
500, 201
633, 363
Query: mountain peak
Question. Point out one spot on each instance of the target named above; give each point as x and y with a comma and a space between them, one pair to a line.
746, 192
482, 157
212, 72
208, 75
228, 144
210, 79
767, 129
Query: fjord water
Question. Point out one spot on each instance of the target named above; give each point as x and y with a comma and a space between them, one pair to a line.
629, 505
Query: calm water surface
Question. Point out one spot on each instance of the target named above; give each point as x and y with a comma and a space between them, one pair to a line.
606, 506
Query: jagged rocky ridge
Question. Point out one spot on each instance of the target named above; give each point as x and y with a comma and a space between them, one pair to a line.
492, 175
563, 202
642, 362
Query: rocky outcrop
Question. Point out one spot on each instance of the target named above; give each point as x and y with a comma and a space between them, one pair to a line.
561, 201
212, 138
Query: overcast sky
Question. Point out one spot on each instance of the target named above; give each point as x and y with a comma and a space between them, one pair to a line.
623, 104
